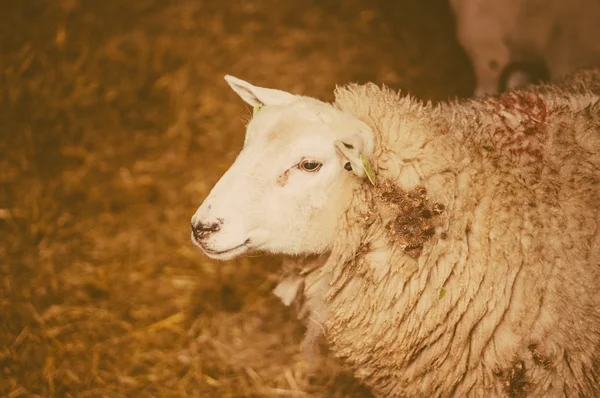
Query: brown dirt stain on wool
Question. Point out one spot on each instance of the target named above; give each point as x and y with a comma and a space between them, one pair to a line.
416, 216
515, 379
538, 358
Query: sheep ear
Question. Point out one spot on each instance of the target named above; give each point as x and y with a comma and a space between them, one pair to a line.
258, 96
359, 163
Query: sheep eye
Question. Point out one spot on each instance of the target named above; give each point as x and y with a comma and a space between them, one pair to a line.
310, 165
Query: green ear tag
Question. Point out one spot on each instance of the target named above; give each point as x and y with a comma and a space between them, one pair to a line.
256, 109
368, 169
355, 169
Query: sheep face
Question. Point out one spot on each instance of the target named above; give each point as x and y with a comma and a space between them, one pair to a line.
485, 47
290, 183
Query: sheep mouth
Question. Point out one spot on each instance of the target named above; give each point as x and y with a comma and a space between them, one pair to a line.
227, 252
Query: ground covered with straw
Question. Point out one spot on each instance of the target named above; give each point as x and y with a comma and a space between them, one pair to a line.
115, 121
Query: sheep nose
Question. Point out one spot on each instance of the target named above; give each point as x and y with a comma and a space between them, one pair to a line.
201, 230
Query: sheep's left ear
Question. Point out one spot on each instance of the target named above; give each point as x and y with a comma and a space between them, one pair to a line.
259, 96
353, 151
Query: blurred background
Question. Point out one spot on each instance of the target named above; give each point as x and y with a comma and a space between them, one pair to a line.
115, 122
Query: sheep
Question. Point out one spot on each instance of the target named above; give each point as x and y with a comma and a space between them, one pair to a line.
515, 42
440, 250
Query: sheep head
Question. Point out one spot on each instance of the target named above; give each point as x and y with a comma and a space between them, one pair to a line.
293, 180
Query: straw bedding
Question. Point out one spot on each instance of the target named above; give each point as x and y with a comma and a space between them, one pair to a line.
115, 122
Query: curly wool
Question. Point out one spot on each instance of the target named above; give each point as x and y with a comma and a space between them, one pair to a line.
471, 269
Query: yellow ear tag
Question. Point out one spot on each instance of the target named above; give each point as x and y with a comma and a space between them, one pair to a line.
256, 109
368, 169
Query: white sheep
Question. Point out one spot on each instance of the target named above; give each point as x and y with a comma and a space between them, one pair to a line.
470, 266
510, 41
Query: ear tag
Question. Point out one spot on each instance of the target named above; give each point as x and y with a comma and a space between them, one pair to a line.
356, 169
256, 109
368, 169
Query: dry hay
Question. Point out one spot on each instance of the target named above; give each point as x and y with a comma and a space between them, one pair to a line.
114, 123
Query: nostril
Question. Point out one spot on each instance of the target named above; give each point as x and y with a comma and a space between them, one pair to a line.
212, 227
202, 229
